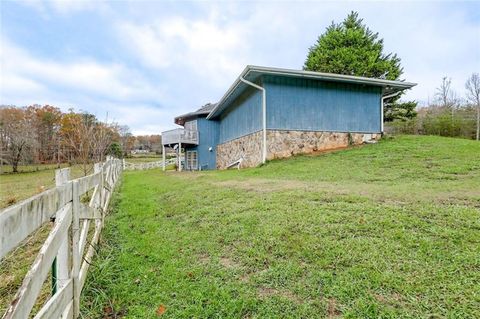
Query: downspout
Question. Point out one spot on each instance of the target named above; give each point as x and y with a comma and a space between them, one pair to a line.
264, 117
382, 110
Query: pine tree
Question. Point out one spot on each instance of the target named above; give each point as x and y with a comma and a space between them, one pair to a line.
351, 48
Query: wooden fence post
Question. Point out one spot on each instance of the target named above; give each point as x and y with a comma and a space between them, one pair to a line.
62, 176
76, 258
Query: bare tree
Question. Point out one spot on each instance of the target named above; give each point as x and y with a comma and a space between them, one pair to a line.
78, 133
446, 96
17, 136
103, 135
126, 139
444, 93
473, 95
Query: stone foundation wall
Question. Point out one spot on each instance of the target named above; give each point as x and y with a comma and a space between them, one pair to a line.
281, 144
248, 147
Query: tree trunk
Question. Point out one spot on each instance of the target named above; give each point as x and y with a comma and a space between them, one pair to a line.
478, 122
16, 159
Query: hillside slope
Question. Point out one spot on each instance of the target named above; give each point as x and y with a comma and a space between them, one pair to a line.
386, 230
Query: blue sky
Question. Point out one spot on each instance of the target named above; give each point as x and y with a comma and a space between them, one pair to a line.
144, 62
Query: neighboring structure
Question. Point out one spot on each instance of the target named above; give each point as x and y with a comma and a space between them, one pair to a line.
272, 113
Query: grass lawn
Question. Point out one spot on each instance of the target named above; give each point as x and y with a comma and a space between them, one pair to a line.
30, 180
387, 230
144, 158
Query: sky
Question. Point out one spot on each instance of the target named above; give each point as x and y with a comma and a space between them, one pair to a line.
141, 63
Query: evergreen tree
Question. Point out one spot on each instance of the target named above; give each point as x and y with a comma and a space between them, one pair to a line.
351, 48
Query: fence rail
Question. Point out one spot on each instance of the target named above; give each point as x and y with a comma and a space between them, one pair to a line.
147, 165
66, 243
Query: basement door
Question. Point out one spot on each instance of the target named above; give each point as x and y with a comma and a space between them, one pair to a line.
192, 160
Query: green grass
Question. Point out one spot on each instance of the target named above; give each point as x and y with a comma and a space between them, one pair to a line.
144, 159
30, 180
380, 231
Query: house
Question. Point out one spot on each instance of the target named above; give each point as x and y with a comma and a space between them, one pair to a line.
272, 113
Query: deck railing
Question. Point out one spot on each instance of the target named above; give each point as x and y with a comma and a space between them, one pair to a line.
180, 135
66, 242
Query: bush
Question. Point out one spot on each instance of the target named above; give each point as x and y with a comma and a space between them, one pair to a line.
437, 121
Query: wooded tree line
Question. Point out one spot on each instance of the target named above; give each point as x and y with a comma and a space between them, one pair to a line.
45, 135
449, 114
150, 143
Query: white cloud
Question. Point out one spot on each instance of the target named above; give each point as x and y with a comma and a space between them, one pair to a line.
213, 52
22, 71
87, 85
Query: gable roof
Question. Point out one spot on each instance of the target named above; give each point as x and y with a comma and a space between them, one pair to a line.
204, 110
252, 73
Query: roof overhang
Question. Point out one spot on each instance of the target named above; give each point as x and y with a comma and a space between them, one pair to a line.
253, 73
201, 112
181, 119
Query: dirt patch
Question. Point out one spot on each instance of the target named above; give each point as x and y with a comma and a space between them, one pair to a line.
203, 258
390, 299
265, 292
245, 278
332, 150
332, 309
265, 185
188, 175
229, 263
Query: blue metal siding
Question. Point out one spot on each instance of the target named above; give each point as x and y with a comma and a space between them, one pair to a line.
243, 117
304, 104
208, 137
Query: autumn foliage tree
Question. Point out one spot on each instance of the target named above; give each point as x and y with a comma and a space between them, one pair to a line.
44, 134
17, 137
46, 123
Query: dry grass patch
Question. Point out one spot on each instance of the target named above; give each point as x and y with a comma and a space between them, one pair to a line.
15, 265
229, 263
332, 309
264, 185
266, 292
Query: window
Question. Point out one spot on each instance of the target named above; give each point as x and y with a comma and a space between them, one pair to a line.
191, 125
192, 161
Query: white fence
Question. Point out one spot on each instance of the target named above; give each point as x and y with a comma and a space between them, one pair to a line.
66, 242
147, 165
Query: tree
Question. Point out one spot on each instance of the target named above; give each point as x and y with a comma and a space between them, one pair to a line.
446, 97
444, 94
473, 95
77, 135
400, 111
115, 149
46, 123
17, 136
104, 133
126, 139
351, 48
